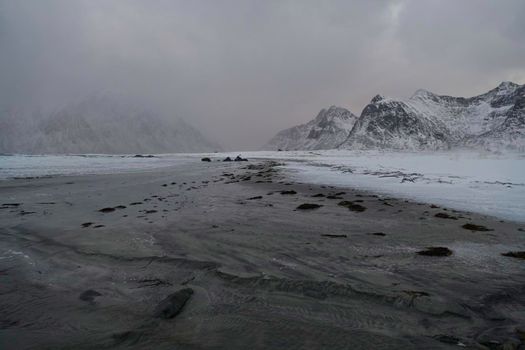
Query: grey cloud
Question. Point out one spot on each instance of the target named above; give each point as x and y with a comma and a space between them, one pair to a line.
242, 70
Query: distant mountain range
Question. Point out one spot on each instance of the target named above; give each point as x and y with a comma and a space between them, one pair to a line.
494, 120
99, 124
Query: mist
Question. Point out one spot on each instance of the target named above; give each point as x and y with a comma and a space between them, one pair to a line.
241, 71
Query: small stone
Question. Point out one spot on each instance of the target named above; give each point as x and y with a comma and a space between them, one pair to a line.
435, 251
445, 216
352, 206
309, 206
377, 234
288, 192
473, 227
516, 254
172, 305
89, 295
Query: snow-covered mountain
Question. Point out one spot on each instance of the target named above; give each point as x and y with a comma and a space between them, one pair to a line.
494, 120
328, 130
99, 124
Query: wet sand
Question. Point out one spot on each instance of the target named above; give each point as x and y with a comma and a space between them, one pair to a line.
96, 262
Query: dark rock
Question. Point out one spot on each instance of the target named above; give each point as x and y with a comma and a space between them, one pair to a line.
87, 224
445, 216
517, 254
309, 206
120, 207
107, 210
352, 206
227, 159
150, 211
98, 226
206, 159
89, 295
377, 234
288, 192
256, 197
318, 195
135, 203
473, 227
333, 235
333, 197
143, 156
172, 305
23, 212
435, 251
240, 159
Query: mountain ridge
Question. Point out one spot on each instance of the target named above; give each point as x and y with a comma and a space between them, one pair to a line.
494, 120
430, 121
99, 124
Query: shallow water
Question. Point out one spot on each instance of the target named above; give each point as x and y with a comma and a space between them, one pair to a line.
21, 166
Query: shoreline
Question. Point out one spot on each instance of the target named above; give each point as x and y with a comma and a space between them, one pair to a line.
262, 271
491, 186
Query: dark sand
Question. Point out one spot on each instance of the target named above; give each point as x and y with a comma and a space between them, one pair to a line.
264, 274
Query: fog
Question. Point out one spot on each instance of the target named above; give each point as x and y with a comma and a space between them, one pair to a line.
243, 70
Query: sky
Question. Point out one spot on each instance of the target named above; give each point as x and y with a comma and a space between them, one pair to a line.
241, 71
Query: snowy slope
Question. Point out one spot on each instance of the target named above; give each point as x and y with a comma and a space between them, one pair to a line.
328, 130
392, 124
99, 124
429, 121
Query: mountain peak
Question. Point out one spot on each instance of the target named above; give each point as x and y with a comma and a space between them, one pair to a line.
327, 130
507, 84
506, 87
422, 93
377, 98
332, 113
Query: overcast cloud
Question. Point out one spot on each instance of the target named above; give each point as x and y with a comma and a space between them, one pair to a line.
243, 70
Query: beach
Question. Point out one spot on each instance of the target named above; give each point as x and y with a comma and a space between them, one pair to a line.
267, 260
